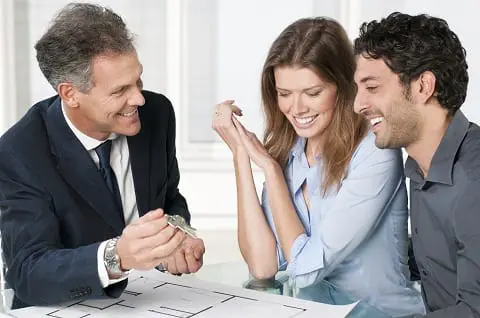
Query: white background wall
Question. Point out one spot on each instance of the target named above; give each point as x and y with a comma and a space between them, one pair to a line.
200, 52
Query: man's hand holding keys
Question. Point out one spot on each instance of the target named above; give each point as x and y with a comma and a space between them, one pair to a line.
147, 241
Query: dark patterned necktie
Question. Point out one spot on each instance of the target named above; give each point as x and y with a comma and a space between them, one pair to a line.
103, 152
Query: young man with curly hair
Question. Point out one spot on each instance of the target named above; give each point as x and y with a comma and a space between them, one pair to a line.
412, 80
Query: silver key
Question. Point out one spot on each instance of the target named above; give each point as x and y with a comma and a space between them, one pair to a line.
179, 222
189, 231
186, 228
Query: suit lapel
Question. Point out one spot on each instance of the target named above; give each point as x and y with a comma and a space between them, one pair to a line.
79, 170
139, 148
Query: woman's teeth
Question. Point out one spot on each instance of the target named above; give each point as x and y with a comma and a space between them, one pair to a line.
305, 120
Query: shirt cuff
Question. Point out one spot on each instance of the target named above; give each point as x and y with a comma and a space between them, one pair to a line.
102, 270
303, 266
303, 270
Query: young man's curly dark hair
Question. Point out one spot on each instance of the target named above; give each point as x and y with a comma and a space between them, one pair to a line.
411, 45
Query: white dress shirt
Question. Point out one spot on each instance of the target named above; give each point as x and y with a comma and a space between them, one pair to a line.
120, 163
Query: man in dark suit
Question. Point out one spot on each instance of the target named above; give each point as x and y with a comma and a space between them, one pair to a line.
87, 176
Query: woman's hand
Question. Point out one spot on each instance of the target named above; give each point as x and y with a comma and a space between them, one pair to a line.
222, 123
255, 149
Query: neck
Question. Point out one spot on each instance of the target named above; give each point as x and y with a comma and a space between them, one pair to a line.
313, 148
83, 125
432, 133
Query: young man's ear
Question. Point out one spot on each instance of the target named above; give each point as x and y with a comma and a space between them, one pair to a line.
425, 87
67, 93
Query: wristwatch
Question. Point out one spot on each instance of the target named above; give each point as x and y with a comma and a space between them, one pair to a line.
112, 260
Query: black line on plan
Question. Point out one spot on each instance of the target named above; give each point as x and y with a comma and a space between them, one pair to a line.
223, 301
216, 292
162, 284
180, 285
202, 311
132, 293
71, 305
162, 313
52, 314
302, 309
120, 304
173, 309
100, 308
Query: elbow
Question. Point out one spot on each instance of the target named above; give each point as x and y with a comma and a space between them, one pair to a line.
32, 288
29, 295
262, 271
260, 267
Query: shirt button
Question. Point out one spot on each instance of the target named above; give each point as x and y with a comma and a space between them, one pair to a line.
415, 230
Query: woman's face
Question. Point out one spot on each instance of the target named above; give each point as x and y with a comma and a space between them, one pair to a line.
306, 100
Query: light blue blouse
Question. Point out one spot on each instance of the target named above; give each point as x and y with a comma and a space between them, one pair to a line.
355, 238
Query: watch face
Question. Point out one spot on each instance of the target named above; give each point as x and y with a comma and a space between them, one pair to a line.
111, 259
111, 262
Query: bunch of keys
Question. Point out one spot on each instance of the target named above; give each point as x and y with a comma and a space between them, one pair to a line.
179, 222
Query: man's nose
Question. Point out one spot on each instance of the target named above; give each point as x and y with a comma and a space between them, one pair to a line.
137, 98
359, 104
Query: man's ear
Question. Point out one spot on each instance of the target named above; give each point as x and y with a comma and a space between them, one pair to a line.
425, 87
68, 94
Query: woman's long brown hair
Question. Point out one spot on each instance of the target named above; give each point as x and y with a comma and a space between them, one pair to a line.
322, 45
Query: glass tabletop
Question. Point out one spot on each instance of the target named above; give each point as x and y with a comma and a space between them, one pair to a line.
236, 274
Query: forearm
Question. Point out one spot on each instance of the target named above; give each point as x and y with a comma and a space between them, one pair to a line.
54, 276
256, 239
287, 223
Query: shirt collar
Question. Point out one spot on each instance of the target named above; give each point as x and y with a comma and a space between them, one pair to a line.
87, 142
298, 169
298, 148
441, 167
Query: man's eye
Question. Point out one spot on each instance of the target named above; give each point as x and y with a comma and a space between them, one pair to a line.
119, 92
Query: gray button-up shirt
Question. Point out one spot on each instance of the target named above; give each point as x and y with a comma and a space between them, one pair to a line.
445, 215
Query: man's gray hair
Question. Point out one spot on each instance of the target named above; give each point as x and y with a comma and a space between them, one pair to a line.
79, 33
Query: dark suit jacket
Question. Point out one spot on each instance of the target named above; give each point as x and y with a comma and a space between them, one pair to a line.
57, 209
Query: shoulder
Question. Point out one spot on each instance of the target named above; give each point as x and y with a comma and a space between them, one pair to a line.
469, 154
368, 154
29, 132
157, 110
156, 103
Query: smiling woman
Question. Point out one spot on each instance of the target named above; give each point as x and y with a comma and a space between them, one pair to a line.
334, 206
321, 69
